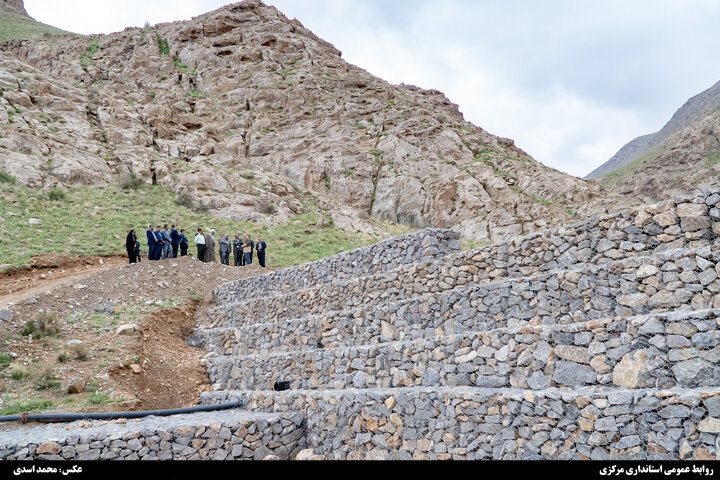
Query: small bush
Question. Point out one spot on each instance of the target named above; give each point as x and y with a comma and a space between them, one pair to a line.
163, 46
18, 373
4, 360
79, 352
44, 325
195, 296
56, 194
267, 208
131, 181
63, 357
184, 200
7, 178
47, 381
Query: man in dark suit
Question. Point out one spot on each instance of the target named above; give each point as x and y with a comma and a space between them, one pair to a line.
160, 243
152, 243
175, 241
260, 246
183, 243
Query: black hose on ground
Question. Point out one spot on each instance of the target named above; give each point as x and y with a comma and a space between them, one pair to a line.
71, 417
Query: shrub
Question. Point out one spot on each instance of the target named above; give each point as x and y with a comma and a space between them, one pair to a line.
63, 357
184, 200
7, 178
131, 181
163, 46
47, 381
18, 373
44, 325
56, 194
4, 360
267, 208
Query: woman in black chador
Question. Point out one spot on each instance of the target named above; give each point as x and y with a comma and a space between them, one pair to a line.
130, 242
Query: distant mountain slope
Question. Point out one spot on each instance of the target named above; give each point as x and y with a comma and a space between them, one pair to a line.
687, 161
644, 145
15, 24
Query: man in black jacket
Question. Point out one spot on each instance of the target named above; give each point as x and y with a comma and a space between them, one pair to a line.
175, 241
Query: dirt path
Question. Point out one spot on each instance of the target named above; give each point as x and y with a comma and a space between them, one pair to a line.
47, 272
87, 301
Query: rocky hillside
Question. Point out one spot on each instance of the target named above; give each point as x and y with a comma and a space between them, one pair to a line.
696, 114
241, 110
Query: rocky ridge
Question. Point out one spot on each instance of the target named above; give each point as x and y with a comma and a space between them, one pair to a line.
681, 158
242, 108
687, 161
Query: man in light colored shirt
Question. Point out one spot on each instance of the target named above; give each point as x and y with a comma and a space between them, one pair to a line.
200, 242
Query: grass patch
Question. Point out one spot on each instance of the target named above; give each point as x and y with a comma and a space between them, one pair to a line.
4, 360
619, 175
56, 194
47, 381
32, 405
7, 178
712, 159
43, 325
98, 398
468, 244
86, 223
163, 45
196, 94
18, 373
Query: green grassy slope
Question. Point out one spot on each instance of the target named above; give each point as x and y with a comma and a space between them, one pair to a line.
95, 221
18, 27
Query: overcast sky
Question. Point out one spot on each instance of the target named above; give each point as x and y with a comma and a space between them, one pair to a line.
570, 81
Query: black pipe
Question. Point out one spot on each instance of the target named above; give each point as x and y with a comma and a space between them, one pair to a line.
71, 417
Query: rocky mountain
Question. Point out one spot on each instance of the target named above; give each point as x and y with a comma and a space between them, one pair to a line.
693, 110
242, 109
13, 6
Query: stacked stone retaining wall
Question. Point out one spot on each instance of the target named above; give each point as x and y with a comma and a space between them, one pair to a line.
422, 246
222, 435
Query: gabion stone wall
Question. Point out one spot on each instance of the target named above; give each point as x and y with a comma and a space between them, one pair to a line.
220, 435
421, 246
599, 340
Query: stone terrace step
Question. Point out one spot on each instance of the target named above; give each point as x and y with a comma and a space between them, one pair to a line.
684, 278
501, 423
422, 246
220, 435
661, 350
686, 222
588, 242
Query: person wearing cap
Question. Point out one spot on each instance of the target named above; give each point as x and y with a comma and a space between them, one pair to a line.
210, 246
200, 242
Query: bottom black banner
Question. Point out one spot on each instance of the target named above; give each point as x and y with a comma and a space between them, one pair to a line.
361, 469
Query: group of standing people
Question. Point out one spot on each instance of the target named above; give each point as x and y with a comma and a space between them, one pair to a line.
165, 242
242, 249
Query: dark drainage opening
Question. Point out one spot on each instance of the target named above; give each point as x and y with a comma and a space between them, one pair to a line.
280, 386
